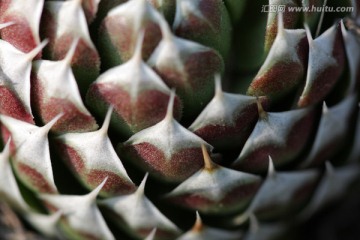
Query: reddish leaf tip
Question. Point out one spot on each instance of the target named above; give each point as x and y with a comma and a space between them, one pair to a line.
262, 112
198, 226
209, 165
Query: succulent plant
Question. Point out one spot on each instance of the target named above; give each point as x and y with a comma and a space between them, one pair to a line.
248, 120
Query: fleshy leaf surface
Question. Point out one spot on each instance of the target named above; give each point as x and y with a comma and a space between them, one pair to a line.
331, 132
282, 135
91, 157
82, 218
138, 95
137, 215
204, 21
325, 66
9, 189
282, 193
121, 27
187, 66
24, 33
54, 90
291, 19
227, 121
32, 162
63, 22
201, 231
285, 65
15, 69
166, 150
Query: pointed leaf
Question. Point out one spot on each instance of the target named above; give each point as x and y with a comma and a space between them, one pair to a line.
291, 19
62, 22
227, 121
24, 33
332, 186
215, 189
137, 93
282, 135
332, 132
15, 68
166, 150
32, 161
283, 194
187, 66
120, 29
54, 91
92, 157
201, 231
204, 21
82, 218
285, 64
138, 216
326, 64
